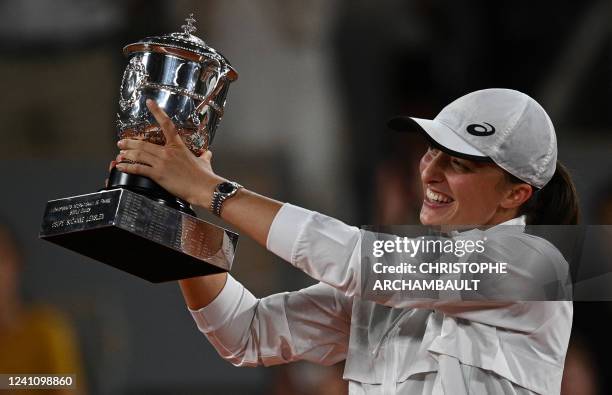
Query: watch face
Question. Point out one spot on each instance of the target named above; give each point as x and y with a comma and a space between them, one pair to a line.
226, 187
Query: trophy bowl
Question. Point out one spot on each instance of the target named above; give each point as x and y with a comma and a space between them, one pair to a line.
189, 80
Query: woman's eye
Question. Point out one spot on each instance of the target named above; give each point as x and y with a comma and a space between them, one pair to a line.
458, 164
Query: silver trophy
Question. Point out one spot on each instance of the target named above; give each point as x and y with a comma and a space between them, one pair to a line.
189, 81
187, 78
135, 224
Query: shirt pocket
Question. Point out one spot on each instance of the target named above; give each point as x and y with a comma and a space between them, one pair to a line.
398, 353
483, 346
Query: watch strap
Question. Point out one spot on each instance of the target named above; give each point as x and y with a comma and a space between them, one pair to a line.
218, 198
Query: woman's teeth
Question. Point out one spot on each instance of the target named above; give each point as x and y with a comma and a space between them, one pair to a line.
437, 197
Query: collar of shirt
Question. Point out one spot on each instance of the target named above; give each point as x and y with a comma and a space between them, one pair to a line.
518, 222
522, 220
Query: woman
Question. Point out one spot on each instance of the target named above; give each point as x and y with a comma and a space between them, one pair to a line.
492, 161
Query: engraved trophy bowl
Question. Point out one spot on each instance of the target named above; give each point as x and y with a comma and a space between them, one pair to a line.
134, 224
189, 80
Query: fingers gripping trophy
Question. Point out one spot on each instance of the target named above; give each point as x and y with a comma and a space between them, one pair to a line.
135, 224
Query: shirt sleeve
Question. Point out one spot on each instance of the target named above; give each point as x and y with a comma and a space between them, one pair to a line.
323, 247
310, 324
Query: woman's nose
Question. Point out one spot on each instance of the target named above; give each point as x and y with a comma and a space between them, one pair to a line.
432, 168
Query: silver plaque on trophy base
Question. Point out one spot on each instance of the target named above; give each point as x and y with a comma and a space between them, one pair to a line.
138, 235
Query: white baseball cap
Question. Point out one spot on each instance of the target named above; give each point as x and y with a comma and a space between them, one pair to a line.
500, 125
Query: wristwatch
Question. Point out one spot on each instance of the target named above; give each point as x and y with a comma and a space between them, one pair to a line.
223, 191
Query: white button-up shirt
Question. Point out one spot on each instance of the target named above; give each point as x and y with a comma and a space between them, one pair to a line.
390, 347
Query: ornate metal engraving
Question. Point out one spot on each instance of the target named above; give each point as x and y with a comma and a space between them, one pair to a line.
189, 28
134, 78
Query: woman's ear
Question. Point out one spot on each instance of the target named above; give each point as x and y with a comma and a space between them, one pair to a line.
516, 195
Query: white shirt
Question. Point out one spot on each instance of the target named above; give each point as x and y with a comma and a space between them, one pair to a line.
390, 347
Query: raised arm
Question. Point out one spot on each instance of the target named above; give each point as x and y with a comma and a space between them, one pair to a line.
311, 324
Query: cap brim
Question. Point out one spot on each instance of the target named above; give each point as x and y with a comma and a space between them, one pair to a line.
439, 135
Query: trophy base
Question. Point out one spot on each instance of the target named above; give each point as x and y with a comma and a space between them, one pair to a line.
138, 235
147, 187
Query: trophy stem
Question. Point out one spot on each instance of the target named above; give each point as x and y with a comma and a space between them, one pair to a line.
146, 187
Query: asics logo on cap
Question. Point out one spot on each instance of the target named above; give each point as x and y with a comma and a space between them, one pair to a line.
480, 130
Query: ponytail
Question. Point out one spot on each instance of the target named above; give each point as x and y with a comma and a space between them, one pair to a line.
556, 203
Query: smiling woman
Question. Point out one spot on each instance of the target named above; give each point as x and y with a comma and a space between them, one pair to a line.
493, 155
462, 191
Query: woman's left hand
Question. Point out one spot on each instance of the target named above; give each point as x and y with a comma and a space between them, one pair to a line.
173, 166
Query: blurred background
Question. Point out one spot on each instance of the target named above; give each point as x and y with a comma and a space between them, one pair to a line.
304, 123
